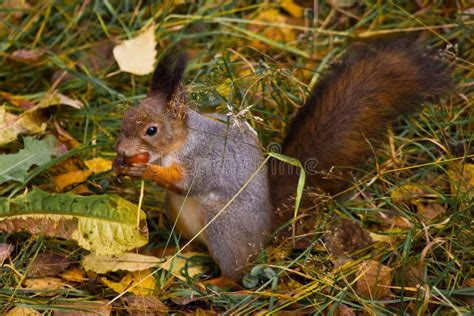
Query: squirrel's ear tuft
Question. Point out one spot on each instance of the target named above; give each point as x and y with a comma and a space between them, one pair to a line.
168, 73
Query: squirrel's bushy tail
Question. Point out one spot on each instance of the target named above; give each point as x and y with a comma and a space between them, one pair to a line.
351, 107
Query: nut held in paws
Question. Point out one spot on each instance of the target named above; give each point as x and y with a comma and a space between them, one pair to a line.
138, 158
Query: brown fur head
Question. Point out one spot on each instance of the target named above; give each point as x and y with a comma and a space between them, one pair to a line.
157, 125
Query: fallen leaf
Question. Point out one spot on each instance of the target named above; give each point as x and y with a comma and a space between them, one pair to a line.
74, 275
461, 177
62, 181
125, 261
274, 33
47, 286
224, 283
47, 264
374, 280
83, 308
144, 46
13, 125
292, 8
17, 100
5, 251
32, 120
22, 311
343, 310
429, 211
177, 265
104, 224
65, 137
27, 55
408, 193
144, 305
96, 165
65, 100
14, 167
143, 283
347, 238
137, 262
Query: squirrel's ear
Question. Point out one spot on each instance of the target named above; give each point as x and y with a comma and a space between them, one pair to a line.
168, 73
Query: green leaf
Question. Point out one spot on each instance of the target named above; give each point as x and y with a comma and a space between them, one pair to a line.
36, 152
103, 224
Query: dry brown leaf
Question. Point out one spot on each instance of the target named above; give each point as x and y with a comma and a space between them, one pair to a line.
344, 310
141, 305
430, 211
373, 280
47, 286
26, 55
47, 264
143, 283
143, 46
5, 251
22, 311
74, 275
345, 237
84, 308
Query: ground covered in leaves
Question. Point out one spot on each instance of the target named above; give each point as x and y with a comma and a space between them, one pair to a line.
401, 241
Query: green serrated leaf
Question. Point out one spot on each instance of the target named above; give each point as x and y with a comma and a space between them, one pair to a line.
36, 152
103, 224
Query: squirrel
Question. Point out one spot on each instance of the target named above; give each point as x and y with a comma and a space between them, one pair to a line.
210, 164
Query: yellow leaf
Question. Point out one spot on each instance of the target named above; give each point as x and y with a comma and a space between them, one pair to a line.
408, 193
137, 55
292, 8
176, 265
98, 164
95, 165
138, 262
275, 33
74, 275
145, 284
64, 180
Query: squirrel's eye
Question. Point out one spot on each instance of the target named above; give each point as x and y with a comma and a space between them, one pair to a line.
151, 130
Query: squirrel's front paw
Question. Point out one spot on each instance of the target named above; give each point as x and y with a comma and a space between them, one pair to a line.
135, 170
